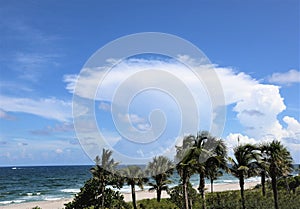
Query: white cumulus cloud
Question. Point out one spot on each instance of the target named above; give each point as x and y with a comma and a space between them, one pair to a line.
256, 106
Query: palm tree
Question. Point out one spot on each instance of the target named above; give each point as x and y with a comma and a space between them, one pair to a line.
160, 169
207, 150
216, 162
244, 166
262, 166
103, 172
279, 164
184, 166
200, 151
134, 175
212, 172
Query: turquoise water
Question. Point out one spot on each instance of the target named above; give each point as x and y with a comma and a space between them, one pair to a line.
25, 184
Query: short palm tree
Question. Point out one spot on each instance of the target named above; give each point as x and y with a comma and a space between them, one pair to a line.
244, 165
160, 169
134, 175
279, 164
215, 163
212, 172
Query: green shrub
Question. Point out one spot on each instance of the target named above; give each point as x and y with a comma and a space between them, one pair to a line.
254, 200
89, 194
176, 196
153, 204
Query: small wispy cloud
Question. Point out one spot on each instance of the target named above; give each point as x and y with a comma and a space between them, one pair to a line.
290, 77
136, 120
58, 128
32, 65
32, 52
71, 80
50, 108
104, 106
14, 87
6, 116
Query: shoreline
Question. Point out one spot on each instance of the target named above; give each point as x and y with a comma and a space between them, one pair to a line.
144, 194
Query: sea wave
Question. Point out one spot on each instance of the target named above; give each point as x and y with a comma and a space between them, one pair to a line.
30, 194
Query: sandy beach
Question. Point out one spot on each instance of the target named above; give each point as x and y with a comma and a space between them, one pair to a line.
58, 204
217, 188
51, 204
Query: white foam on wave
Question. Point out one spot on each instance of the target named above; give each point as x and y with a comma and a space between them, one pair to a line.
127, 189
18, 201
52, 198
70, 190
11, 201
252, 179
5, 202
229, 181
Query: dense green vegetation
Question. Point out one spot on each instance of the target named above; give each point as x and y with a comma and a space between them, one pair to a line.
231, 200
206, 156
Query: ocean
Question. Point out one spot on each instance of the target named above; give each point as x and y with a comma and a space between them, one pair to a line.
26, 184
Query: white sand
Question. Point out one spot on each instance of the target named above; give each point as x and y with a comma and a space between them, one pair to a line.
58, 204
217, 188
51, 204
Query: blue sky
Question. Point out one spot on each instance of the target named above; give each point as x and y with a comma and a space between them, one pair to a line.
253, 45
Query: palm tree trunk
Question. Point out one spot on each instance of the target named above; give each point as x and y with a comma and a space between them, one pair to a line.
185, 194
133, 196
190, 203
102, 195
202, 188
212, 189
242, 191
263, 182
158, 194
275, 192
287, 185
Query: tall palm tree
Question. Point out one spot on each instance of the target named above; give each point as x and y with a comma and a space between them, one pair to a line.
103, 172
200, 151
244, 165
134, 175
262, 167
207, 150
279, 164
184, 166
160, 169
